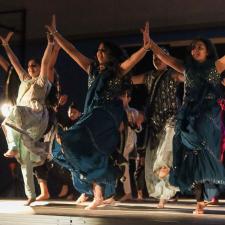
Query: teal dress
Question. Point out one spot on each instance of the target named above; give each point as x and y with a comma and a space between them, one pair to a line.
88, 144
196, 144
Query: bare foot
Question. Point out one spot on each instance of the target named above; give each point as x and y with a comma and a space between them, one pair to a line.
11, 153
199, 208
42, 197
163, 172
109, 201
29, 201
126, 197
139, 195
94, 204
81, 199
161, 204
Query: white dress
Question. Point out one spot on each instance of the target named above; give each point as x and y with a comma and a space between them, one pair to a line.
163, 157
29, 117
26, 125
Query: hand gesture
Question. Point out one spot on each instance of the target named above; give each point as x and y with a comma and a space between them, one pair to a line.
5, 41
50, 38
52, 27
146, 37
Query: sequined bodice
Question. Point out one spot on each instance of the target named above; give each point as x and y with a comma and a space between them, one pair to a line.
111, 90
196, 82
103, 87
162, 102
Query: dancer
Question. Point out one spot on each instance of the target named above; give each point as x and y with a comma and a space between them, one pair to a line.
160, 108
196, 150
28, 121
89, 144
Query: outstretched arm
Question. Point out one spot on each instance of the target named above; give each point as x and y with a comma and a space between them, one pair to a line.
46, 58
52, 62
12, 57
83, 61
4, 64
167, 59
128, 64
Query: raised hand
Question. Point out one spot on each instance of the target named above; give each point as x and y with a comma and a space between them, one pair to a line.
52, 27
5, 41
50, 38
146, 37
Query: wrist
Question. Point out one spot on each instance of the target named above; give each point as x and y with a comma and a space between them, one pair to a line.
5, 44
147, 49
54, 32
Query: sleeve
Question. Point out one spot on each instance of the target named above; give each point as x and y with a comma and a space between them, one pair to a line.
42, 81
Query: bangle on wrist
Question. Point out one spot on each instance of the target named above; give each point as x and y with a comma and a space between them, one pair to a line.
5, 44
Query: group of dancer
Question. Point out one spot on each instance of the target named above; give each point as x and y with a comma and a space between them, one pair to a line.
181, 154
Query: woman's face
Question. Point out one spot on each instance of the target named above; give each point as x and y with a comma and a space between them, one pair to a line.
33, 68
73, 113
102, 55
199, 52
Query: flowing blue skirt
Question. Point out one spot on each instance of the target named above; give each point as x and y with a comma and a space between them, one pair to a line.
196, 149
87, 147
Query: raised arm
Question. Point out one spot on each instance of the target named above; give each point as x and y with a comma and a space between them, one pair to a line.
46, 58
128, 64
83, 61
4, 64
167, 59
12, 57
52, 62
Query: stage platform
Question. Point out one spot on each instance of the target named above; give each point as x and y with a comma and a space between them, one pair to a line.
13, 212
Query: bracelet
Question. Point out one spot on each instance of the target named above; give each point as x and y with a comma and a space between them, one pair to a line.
5, 44
146, 49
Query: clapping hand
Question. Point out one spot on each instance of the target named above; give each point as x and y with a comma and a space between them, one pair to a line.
146, 37
5, 41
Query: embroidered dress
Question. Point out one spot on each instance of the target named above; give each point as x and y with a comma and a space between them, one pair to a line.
26, 125
29, 117
196, 147
161, 106
88, 145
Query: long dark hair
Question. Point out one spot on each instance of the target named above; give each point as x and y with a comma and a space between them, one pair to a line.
211, 50
116, 55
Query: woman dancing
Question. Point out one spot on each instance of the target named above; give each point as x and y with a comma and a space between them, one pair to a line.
196, 144
89, 144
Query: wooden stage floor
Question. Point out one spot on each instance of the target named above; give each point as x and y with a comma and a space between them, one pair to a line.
13, 212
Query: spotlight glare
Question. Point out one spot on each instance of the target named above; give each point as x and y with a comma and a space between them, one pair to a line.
6, 109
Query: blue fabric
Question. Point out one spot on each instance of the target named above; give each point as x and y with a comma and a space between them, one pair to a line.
88, 144
196, 144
